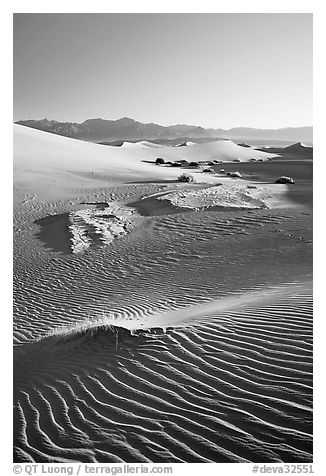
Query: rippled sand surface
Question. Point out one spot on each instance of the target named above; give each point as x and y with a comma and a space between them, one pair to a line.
149, 329
224, 376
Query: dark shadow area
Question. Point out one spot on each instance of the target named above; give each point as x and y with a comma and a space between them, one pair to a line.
164, 182
153, 207
98, 205
54, 232
301, 194
300, 170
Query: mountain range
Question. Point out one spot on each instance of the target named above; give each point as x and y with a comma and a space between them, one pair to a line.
99, 130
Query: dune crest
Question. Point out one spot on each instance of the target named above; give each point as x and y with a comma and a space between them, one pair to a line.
187, 339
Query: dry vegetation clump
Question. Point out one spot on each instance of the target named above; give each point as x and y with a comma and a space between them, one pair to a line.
234, 174
284, 179
185, 178
209, 171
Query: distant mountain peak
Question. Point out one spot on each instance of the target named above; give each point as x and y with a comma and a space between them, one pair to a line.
126, 120
127, 129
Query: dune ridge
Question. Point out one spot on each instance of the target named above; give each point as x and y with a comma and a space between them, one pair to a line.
174, 391
188, 339
190, 315
37, 151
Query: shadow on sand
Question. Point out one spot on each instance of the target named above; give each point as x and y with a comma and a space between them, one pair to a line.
54, 232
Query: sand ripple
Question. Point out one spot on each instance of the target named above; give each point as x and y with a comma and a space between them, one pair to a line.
232, 385
237, 388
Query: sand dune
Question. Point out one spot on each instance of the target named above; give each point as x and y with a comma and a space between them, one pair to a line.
39, 153
186, 339
213, 392
140, 145
47, 166
222, 150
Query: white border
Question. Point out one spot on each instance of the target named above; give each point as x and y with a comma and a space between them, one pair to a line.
167, 6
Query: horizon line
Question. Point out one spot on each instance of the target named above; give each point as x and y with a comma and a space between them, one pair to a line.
170, 125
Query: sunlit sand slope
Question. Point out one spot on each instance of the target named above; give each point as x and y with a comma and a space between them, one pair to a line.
236, 388
49, 163
186, 339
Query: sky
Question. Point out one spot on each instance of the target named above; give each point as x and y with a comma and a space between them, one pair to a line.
214, 70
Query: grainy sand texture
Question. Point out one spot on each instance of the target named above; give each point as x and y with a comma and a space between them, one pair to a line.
155, 320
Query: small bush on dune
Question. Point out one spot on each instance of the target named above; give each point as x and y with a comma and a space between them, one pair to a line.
284, 179
193, 164
185, 178
209, 171
159, 161
234, 174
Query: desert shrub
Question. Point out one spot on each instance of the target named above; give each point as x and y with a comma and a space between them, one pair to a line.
284, 179
185, 178
159, 161
193, 164
234, 174
209, 171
